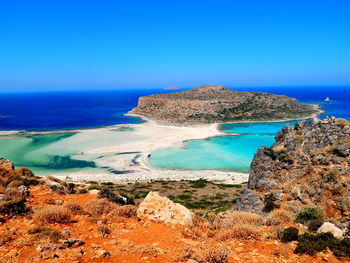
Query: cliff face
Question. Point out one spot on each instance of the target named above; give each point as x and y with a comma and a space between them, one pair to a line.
308, 166
208, 104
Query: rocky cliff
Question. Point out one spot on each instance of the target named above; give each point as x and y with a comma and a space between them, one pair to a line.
208, 104
308, 166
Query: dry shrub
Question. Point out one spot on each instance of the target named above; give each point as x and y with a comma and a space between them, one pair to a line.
281, 216
105, 230
15, 183
133, 248
74, 208
44, 232
204, 254
214, 255
99, 206
343, 122
13, 193
54, 179
51, 215
279, 149
6, 238
243, 232
241, 218
125, 211
2, 189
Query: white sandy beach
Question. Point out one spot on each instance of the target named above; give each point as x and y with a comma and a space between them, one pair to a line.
150, 137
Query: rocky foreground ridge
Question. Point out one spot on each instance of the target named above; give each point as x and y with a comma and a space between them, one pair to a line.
308, 166
210, 104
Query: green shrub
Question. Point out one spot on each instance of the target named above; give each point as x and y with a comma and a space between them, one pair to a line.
289, 234
307, 215
314, 224
13, 207
269, 203
94, 186
199, 184
115, 198
311, 244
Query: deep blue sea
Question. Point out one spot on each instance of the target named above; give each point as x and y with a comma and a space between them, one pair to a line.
85, 109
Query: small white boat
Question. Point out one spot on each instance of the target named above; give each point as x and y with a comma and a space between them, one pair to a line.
327, 99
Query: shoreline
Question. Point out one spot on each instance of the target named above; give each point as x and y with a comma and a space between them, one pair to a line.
130, 158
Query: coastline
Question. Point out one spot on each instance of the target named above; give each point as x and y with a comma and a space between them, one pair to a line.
129, 159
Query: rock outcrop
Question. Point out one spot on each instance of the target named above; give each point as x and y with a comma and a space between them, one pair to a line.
210, 104
328, 227
161, 209
308, 166
6, 164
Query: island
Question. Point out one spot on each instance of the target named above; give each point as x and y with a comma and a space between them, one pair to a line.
218, 104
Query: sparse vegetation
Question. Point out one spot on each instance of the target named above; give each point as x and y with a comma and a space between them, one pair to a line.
289, 234
311, 244
45, 232
13, 207
307, 215
52, 215
269, 203
343, 122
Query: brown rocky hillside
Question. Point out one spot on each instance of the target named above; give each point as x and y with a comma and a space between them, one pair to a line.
210, 104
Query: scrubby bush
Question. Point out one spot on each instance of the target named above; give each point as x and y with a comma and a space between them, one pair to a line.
99, 206
51, 215
269, 203
14, 207
74, 208
343, 122
105, 230
126, 211
45, 232
307, 215
289, 234
114, 198
240, 231
199, 183
281, 216
240, 218
314, 224
311, 244
94, 186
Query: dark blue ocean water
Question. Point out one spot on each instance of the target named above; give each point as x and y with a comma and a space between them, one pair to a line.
82, 109
67, 110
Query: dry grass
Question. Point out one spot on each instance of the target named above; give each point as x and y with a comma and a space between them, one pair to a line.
242, 232
279, 149
281, 216
44, 232
125, 211
6, 238
74, 208
99, 207
343, 122
52, 215
241, 218
2, 189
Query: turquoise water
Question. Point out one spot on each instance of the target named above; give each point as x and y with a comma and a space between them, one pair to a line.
62, 152
228, 153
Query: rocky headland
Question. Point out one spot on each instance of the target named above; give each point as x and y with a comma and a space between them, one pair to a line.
308, 166
215, 104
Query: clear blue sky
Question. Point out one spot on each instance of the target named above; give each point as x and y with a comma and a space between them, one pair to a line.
85, 44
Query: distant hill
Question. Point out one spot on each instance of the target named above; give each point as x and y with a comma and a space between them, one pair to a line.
210, 104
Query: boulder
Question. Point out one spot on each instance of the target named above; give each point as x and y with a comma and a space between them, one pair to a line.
331, 228
6, 164
161, 209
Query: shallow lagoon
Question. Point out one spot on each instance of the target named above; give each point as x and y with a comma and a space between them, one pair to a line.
230, 153
62, 152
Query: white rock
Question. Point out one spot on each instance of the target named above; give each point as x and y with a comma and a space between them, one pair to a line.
331, 228
161, 209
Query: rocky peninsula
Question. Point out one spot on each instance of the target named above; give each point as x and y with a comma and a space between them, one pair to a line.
218, 104
308, 166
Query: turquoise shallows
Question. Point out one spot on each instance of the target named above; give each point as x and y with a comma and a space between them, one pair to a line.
227, 153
